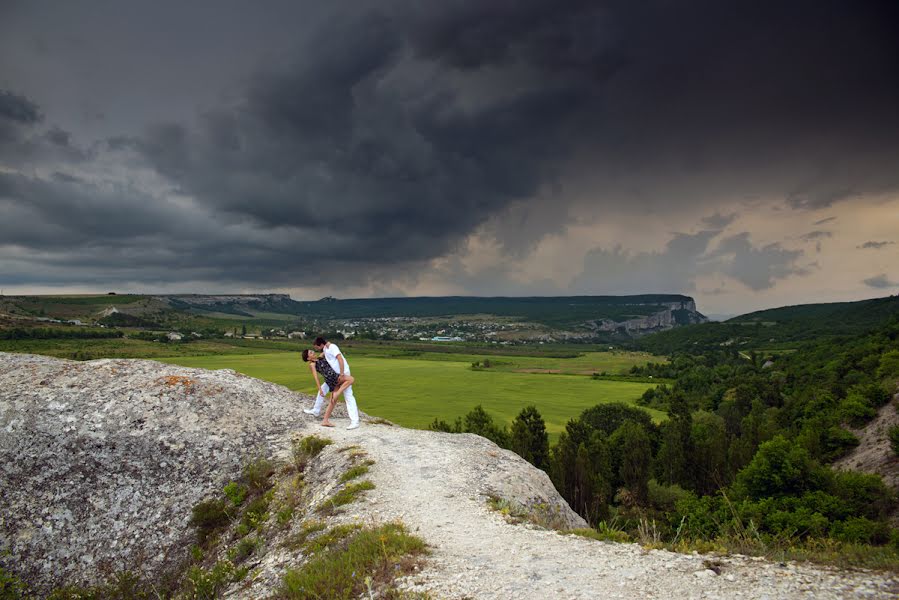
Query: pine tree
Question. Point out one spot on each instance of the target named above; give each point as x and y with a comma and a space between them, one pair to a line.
633, 449
529, 439
673, 456
479, 422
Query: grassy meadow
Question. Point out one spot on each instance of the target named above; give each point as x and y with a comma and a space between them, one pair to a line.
410, 384
414, 391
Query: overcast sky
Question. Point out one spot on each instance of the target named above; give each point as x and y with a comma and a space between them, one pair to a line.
743, 153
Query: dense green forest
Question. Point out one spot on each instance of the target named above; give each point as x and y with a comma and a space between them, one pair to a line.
777, 328
743, 456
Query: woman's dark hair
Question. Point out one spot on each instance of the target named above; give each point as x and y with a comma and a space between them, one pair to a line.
306, 355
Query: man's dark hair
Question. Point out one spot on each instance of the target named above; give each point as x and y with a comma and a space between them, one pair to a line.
306, 355
319, 341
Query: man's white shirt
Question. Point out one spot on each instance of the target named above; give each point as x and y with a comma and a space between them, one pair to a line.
331, 352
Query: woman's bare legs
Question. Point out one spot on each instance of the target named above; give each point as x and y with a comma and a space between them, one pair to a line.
344, 382
331, 404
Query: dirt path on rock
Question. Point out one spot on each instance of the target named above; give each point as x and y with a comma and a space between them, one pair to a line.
435, 485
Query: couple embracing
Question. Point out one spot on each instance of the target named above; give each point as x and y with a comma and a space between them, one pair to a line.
326, 360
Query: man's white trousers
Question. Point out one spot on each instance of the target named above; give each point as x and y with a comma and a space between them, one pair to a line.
351, 408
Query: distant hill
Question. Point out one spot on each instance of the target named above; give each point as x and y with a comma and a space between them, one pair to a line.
777, 327
580, 317
564, 311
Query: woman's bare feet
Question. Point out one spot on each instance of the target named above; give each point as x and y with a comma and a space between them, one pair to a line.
327, 424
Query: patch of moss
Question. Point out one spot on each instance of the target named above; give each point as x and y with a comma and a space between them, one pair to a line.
357, 471
348, 494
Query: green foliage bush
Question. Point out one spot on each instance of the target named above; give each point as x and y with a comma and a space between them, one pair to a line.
380, 555
11, 587
609, 417
210, 515
306, 449
893, 436
779, 468
256, 475
855, 411
256, 513
665, 497
236, 493
202, 584
860, 530
345, 496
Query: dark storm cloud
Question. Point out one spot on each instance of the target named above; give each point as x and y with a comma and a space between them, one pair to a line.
23, 143
396, 131
437, 118
18, 108
875, 245
880, 282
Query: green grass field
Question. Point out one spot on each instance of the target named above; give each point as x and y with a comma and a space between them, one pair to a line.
413, 392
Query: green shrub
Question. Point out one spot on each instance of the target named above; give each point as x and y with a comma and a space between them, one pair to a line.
236, 493
860, 530
11, 587
666, 497
256, 475
348, 494
893, 436
779, 468
284, 515
855, 410
313, 445
603, 532
298, 540
306, 449
244, 549
836, 442
201, 584
375, 555
316, 543
123, 586
357, 471
875, 393
208, 516
255, 515
866, 494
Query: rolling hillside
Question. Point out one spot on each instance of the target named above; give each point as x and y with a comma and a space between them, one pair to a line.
774, 328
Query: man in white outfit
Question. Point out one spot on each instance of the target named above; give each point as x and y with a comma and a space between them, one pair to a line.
341, 367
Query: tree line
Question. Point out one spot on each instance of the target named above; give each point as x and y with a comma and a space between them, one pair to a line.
745, 448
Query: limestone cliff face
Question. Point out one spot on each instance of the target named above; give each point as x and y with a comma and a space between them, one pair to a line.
676, 313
